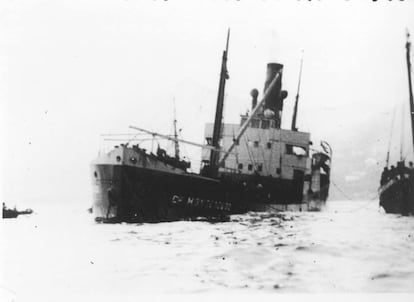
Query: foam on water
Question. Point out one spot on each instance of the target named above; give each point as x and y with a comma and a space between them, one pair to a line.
350, 247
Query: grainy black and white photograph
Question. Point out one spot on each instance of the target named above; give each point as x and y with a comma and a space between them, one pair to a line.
216, 149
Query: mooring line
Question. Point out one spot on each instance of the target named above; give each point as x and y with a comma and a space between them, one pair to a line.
351, 199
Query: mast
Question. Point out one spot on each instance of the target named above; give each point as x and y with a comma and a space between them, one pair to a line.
402, 135
214, 155
295, 110
387, 160
176, 145
408, 48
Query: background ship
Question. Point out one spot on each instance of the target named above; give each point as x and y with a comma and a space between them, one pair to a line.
254, 165
397, 182
13, 213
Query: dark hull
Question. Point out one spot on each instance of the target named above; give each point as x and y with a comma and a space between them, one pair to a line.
125, 193
9, 213
137, 194
397, 196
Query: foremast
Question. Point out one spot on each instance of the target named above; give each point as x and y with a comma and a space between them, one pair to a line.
408, 48
218, 121
176, 144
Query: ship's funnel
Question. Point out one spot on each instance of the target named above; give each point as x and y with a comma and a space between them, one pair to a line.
272, 69
275, 100
254, 94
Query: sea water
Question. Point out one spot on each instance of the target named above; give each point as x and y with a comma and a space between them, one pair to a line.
59, 252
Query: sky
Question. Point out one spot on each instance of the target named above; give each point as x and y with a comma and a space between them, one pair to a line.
73, 70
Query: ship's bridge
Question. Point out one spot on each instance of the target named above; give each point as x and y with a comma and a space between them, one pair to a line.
262, 149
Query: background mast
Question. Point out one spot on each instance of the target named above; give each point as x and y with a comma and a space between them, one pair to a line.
295, 110
408, 48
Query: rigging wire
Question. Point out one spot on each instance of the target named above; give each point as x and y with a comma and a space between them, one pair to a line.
341, 191
122, 134
236, 155
140, 140
133, 138
246, 140
187, 155
363, 206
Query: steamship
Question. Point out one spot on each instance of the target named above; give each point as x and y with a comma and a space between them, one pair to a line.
397, 182
253, 165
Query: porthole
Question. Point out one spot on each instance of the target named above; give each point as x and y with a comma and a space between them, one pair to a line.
95, 174
118, 158
133, 160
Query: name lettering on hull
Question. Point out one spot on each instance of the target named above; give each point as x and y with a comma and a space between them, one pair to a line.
199, 202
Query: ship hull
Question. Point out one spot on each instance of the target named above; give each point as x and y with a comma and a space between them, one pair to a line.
10, 214
277, 194
134, 194
137, 194
397, 196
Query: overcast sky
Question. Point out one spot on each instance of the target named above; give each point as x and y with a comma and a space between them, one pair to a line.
72, 70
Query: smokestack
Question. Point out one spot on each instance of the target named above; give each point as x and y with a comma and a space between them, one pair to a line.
254, 93
276, 96
272, 70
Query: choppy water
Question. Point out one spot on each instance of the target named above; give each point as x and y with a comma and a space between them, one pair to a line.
350, 247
